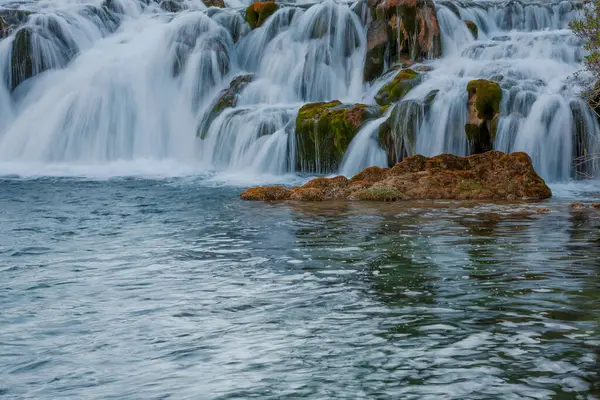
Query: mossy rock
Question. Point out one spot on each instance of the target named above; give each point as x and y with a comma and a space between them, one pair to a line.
324, 131
489, 96
378, 193
214, 3
395, 90
22, 58
472, 27
227, 99
257, 13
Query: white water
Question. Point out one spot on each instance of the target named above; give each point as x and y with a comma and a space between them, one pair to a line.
131, 86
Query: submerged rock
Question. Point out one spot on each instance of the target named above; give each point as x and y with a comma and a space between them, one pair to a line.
472, 27
11, 19
488, 176
484, 110
324, 131
257, 13
171, 6
395, 90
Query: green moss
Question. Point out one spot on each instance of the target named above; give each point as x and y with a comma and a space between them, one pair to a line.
472, 27
378, 193
395, 90
257, 13
489, 95
324, 131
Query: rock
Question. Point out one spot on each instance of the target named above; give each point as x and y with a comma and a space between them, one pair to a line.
542, 210
577, 205
489, 176
21, 59
596, 206
171, 6
214, 3
395, 90
472, 27
378, 35
484, 110
257, 13
398, 135
266, 193
414, 26
227, 99
324, 131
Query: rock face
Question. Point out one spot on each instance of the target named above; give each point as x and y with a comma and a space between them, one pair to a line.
484, 111
489, 176
378, 34
402, 83
324, 131
257, 13
412, 33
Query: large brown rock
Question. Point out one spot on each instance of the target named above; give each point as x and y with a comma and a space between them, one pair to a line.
488, 176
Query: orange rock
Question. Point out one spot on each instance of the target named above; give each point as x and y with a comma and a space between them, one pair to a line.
488, 176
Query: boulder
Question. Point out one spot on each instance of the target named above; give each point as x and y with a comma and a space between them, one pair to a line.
227, 99
324, 131
257, 13
484, 111
489, 176
11, 19
171, 6
472, 27
395, 90
398, 135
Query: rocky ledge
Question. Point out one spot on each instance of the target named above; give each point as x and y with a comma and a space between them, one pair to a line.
489, 176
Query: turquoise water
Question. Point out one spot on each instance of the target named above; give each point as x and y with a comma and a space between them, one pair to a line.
174, 288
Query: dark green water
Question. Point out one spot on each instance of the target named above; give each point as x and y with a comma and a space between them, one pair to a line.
155, 289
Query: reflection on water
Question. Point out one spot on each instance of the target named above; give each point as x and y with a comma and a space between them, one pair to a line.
135, 288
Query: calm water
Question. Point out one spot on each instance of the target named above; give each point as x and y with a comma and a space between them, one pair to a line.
134, 288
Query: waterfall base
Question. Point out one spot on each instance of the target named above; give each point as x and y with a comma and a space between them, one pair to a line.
489, 176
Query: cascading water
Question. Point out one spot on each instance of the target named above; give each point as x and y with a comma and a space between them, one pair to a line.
125, 80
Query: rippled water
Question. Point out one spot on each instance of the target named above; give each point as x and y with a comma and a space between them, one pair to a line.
173, 288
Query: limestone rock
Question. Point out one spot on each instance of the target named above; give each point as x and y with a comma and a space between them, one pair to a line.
488, 176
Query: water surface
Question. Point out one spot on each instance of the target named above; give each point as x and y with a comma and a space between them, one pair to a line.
174, 288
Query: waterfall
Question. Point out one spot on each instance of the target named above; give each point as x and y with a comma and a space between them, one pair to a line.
92, 83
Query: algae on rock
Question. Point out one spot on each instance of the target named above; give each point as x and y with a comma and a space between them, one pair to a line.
472, 27
324, 131
395, 90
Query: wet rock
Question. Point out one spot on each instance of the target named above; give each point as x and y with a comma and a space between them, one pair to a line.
11, 20
214, 3
414, 26
378, 34
484, 110
171, 6
472, 27
395, 90
22, 57
227, 99
398, 135
324, 131
489, 176
257, 13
